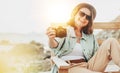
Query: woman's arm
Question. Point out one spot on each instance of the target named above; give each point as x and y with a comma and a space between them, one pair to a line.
96, 45
51, 35
53, 43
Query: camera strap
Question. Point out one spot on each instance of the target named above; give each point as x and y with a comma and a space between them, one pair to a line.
61, 46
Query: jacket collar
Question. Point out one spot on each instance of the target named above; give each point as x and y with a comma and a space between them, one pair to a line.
71, 33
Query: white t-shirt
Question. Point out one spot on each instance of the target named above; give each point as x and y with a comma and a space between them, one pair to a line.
75, 54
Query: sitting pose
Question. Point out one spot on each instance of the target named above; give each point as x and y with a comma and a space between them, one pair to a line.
80, 45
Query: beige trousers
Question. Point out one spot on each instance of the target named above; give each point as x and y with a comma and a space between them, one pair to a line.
109, 50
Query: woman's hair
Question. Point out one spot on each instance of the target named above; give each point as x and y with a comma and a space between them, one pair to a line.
87, 29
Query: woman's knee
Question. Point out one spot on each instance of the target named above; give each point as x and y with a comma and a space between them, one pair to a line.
114, 43
111, 40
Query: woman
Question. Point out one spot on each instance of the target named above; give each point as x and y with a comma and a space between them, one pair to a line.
80, 46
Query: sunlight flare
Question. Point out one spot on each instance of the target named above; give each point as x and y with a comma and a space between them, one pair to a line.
58, 12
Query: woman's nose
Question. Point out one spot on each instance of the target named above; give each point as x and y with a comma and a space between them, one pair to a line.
84, 17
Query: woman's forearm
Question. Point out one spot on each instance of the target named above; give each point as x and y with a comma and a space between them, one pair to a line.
53, 43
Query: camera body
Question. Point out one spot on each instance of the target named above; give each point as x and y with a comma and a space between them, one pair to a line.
61, 31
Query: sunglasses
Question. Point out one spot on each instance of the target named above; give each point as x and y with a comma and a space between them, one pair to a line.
82, 14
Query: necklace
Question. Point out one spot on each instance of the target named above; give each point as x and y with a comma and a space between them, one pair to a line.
78, 39
78, 36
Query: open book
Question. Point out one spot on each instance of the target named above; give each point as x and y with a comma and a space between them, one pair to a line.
60, 63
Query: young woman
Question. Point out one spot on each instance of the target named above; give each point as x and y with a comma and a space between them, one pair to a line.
80, 46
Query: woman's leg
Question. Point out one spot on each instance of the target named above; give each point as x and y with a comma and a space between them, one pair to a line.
81, 68
108, 50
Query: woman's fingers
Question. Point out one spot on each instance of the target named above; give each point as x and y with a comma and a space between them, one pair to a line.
51, 32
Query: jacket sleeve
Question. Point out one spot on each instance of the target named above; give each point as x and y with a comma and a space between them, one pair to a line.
60, 44
96, 46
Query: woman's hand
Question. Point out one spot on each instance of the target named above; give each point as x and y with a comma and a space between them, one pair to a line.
51, 33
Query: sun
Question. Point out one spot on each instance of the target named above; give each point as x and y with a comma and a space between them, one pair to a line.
58, 12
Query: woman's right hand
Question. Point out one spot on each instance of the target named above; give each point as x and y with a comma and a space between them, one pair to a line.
51, 33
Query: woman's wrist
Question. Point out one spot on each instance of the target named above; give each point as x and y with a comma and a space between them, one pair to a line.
53, 43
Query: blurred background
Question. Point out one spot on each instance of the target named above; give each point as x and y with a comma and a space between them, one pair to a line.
30, 18
23, 24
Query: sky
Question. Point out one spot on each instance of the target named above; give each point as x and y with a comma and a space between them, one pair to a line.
34, 16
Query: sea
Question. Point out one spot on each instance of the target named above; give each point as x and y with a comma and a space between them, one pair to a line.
24, 38
41, 38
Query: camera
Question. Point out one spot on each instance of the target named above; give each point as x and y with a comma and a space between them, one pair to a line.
61, 31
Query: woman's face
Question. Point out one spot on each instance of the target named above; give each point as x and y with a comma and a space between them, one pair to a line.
82, 17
